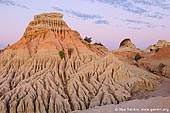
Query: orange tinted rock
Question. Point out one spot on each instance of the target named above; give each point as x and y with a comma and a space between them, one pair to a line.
35, 78
152, 61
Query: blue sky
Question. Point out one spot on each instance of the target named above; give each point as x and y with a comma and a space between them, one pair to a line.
106, 21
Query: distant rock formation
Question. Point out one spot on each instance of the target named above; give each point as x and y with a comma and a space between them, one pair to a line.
127, 43
51, 69
162, 43
158, 45
157, 62
127, 51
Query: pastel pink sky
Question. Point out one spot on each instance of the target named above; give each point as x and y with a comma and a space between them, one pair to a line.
107, 21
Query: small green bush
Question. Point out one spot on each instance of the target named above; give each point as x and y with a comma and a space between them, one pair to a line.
98, 43
137, 57
89, 40
156, 50
61, 53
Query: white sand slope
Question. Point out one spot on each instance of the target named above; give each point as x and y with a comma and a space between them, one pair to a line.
152, 105
163, 89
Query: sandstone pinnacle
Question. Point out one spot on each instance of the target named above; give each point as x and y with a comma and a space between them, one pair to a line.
48, 34
46, 21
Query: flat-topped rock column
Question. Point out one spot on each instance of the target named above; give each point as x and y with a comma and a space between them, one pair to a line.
45, 22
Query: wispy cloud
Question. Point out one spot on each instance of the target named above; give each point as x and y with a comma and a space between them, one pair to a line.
136, 21
154, 16
84, 16
157, 15
12, 3
139, 6
133, 9
58, 9
135, 28
164, 4
101, 22
163, 26
124, 5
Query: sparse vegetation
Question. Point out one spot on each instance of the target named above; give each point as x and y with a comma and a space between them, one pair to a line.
156, 50
98, 43
70, 50
61, 53
89, 40
137, 57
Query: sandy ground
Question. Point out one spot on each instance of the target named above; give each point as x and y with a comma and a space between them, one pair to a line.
163, 89
151, 105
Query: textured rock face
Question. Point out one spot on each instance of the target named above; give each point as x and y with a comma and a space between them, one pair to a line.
47, 21
45, 85
126, 54
166, 71
34, 78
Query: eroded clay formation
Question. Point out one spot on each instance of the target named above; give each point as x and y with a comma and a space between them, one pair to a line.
34, 78
45, 22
